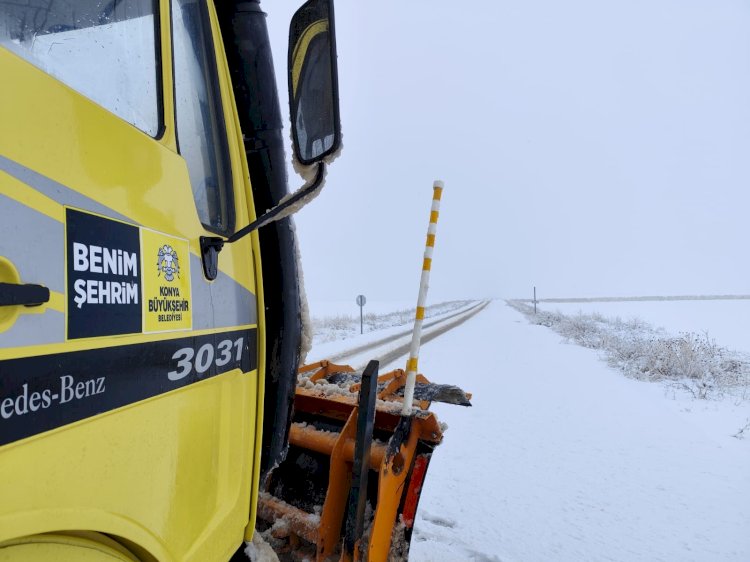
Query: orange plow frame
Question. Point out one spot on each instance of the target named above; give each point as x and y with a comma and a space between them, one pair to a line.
400, 464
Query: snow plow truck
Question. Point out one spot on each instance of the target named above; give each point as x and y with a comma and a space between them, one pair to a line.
152, 404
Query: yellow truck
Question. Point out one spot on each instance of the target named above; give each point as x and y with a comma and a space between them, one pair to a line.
150, 326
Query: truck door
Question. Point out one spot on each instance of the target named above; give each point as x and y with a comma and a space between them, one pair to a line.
118, 151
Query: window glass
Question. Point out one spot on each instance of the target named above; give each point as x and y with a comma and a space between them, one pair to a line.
315, 119
200, 131
104, 49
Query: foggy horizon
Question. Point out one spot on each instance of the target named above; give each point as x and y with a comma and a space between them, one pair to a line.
587, 150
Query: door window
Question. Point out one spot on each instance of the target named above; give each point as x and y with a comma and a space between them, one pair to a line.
104, 49
201, 134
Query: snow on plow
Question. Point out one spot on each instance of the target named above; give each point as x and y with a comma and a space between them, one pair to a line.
350, 484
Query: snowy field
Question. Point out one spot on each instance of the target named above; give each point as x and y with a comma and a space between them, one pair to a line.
726, 321
563, 458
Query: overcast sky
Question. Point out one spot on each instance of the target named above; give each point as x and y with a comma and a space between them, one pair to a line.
588, 147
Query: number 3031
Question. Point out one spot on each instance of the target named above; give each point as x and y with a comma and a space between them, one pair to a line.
188, 359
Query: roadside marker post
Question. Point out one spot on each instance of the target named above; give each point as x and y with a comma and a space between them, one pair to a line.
412, 363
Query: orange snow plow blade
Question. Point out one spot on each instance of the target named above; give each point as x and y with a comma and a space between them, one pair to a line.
349, 486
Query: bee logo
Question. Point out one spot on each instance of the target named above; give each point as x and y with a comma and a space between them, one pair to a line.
168, 263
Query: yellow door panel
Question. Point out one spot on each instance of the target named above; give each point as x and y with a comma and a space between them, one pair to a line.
128, 400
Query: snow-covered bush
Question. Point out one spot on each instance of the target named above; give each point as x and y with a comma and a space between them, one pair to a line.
338, 322
689, 361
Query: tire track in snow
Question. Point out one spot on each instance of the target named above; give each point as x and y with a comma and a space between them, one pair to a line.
387, 355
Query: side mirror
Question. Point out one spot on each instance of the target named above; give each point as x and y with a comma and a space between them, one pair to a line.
313, 82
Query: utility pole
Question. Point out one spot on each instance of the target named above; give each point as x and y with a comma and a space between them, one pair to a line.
535, 299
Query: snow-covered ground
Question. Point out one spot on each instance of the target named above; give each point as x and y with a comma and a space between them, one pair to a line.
563, 458
330, 322
335, 335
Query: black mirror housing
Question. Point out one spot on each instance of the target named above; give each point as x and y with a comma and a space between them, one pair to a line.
313, 82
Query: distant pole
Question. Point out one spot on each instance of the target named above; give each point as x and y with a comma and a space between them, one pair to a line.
411, 364
361, 300
534, 299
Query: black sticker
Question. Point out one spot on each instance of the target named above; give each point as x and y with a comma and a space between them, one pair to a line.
48, 391
103, 276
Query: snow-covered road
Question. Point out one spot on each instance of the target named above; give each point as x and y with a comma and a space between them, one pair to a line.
562, 458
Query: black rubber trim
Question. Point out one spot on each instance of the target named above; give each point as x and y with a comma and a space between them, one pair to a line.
159, 52
245, 35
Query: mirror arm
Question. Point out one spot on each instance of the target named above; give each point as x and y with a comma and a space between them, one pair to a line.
271, 215
212, 245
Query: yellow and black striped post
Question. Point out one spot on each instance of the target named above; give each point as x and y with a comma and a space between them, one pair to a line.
412, 363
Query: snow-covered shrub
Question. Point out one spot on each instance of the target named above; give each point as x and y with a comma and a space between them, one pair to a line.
691, 362
338, 322
584, 330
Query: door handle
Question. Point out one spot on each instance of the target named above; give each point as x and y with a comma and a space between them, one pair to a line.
14, 294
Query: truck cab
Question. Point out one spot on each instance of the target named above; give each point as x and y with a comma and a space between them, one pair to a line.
148, 353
